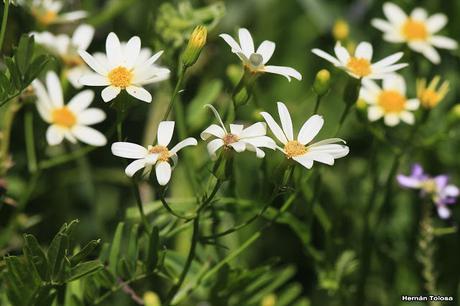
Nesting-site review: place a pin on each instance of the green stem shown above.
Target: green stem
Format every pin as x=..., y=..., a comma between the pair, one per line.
x=30, y=141
x=4, y=22
x=318, y=102
x=170, y=210
x=140, y=206
x=344, y=116
x=177, y=88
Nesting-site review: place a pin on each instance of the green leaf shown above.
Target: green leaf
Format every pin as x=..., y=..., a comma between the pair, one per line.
x=83, y=269
x=133, y=251
x=36, y=256
x=56, y=254
x=116, y=246
x=24, y=52
x=15, y=75
x=85, y=252
x=35, y=68
x=152, y=251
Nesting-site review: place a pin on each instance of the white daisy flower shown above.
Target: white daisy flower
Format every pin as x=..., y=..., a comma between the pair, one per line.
x=48, y=12
x=239, y=138
x=417, y=30
x=360, y=64
x=256, y=61
x=390, y=101
x=70, y=121
x=124, y=67
x=67, y=49
x=300, y=149
x=159, y=155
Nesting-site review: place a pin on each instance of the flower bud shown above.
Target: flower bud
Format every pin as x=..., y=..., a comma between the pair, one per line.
x=151, y=299
x=195, y=45
x=268, y=300
x=341, y=30
x=361, y=105
x=322, y=82
x=224, y=165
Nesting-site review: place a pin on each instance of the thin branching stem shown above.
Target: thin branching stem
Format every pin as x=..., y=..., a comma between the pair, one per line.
x=4, y=22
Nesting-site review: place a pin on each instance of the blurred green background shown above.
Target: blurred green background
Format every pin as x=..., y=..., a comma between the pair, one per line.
x=338, y=245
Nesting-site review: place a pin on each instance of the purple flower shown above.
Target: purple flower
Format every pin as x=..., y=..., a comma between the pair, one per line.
x=438, y=188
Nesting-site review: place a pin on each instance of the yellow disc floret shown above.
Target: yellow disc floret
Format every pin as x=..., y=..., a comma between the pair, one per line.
x=391, y=101
x=359, y=66
x=63, y=117
x=414, y=30
x=294, y=148
x=162, y=151
x=120, y=77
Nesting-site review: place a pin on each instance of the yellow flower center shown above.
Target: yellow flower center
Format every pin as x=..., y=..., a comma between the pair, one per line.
x=63, y=117
x=294, y=148
x=359, y=66
x=45, y=18
x=229, y=139
x=162, y=151
x=429, y=186
x=120, y=77
x=414, y=30
x=392, y=101
x=429, y=98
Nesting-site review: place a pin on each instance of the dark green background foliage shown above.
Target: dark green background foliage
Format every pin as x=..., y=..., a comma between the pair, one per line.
x=348, y=238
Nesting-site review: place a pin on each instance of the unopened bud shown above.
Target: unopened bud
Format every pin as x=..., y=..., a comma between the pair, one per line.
x=195, y=45
x=268, y=300
x=341, y=30
x=151, y=299
x=361, y=105
x=322, y=82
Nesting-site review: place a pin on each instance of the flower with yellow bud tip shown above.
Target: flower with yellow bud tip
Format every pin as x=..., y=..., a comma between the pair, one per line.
x=340, y=30
x=430, y=96
x=195, y=45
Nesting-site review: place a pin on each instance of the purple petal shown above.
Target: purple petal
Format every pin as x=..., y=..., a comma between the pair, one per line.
x=443, y=212
x=441, y=181
x=408, y=181
x=417, y=170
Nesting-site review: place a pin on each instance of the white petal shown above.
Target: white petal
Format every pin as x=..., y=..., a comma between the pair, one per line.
x=184, y=143
x=274, y=127
x=231, y=42
x=165, y=132
x=266, y=49
x=443, y=42
x=387, y=61
x=395, y=82
x=91, y=116
x=83, y=36
x=238, y=146
x=139, y=93
x=451, y=191
x=129, y=150
x=109, y=93
x=54, y=89
x=342, y=54
x=132, y=50
x=54, y=135
x=419, y=14
x=94, y=79
x=286, y=121
x=374, y=113
x=443, y=211
x=260, y=141
x=304, y=161
x=163, y=171
x=310, y=129
x=394, y=13
x=327, y=57
x=93, y=62
x=236, y=129
x=44, y=104
x=321, y=157
x=81, y=101
x=134, y=166
x=407, y=117
x=364, y=50
x=382, y=25
x=431, y=54
x=436, y=22
x=89, y=135
x=335, y=150
x=72, y=16
x=412, y=104
x=287, y=72
x=213, y=130
x=113, y=50
x=254, y=130
x=391, y=119
x=213, y=146
x=246, y=42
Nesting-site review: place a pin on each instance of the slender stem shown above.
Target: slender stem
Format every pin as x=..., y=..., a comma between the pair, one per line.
x=318, y=102
x=344, y=116
x=170, y=210
x=177, y=88
x=30, y=141
x=4, y=22
x=140, y=206
x=7, y=119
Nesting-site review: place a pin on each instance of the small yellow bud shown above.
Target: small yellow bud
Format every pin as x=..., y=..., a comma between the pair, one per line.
x=151, y=299
x=341, y=30
x=361, y=104
x=456, y=110
x=195, y=45
x=322, y=82
x=268, y=300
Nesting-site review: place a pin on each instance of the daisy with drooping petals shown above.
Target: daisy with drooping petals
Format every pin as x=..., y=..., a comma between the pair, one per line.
x=159, y=155
x=47, y=12
x=300, y=149
x=124, y=67
x=254, y=60
x=360, y=64
x=67, y=49
x=417, y=30
x=239, y=138
x=70, y=121
x=431, y=95
x=390, y=101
